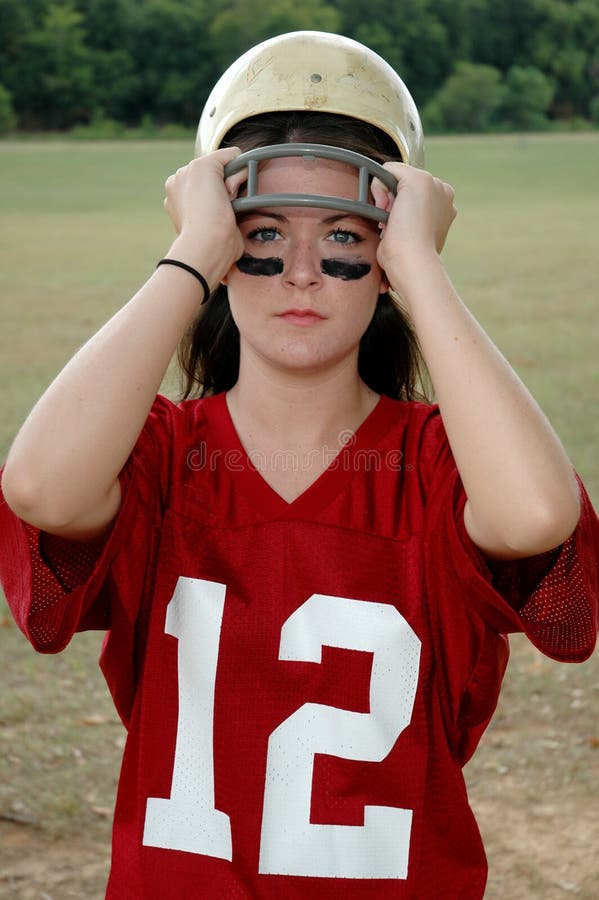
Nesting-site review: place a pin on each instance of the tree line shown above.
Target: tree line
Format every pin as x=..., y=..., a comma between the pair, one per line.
x=472, y=65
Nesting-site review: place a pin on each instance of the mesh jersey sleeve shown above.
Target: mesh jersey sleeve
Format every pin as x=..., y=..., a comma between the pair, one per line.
x=474, y=605
x=56, y=587
x=552, y=597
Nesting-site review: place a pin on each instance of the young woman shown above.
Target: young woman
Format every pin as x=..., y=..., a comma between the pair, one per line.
x=305, y=573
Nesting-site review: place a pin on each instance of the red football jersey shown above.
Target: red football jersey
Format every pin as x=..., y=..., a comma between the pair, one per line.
x=301, y=682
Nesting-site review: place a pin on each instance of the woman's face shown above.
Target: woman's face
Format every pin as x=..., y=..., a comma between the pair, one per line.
x=305, y=290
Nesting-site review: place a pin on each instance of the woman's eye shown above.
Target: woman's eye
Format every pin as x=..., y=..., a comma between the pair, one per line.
x=264, y=234
x=340, y=236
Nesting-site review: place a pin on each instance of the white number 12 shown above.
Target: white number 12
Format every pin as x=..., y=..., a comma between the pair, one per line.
x=290, y=844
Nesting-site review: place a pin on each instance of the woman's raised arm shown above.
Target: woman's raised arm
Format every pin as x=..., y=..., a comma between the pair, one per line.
x=522, y=493
x=61, y=472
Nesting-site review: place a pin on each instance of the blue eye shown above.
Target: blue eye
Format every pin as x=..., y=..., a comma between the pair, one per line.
x=341, y=236
x=263, y=235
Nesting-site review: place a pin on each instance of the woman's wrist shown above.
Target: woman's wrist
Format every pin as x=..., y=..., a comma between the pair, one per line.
x=203, y=259
x=416, y=274
x=169, y=261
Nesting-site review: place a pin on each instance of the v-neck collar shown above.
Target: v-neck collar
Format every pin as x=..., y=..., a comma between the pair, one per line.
x=328, y=484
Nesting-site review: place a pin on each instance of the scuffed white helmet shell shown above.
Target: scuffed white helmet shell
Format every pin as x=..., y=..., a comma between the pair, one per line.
x=316, y=71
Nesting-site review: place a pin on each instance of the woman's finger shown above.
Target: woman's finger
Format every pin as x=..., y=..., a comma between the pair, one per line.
x=380, y=194
x=234, y=182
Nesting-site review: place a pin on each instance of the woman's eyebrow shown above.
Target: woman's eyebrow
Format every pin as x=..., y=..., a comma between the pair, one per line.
x=338, y=217
x=268, y=214
x=260, y=214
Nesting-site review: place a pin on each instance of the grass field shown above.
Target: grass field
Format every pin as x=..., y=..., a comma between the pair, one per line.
x=80, y=227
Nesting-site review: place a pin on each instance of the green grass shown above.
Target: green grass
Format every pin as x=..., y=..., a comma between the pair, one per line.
x=524, y=253
x=81, y=226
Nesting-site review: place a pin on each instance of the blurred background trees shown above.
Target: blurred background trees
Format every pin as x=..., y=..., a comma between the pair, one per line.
x=472, y=65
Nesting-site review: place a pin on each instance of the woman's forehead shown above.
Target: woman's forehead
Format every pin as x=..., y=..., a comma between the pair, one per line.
x=311, y=215
x=296, y=175
x=339, y=176
x=293, y=174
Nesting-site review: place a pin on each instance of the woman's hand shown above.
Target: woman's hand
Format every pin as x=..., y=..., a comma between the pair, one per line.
x=198, y=201
x=420, y=216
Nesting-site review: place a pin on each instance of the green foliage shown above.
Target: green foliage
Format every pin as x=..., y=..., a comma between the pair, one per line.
x=239, y=25
x=57, y=87
x=8, y=120
x=528, y=96
x=565, y=48
x=410, y=35
x=72, y=63
x=170, y=48
x=99, y=128
x=432, y=118
x=102, y=128
x=594, y=109
x=469, y=99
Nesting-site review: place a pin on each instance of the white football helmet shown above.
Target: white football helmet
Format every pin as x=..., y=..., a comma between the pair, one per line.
x=316, y=72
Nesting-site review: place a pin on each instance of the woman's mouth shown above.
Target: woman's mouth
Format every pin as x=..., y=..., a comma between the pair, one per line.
x=303, y=317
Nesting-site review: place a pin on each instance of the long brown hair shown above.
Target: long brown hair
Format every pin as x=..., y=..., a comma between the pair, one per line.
x=389, y=358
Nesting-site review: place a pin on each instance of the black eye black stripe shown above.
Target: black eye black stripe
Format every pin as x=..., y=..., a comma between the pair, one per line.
x=344, y=269
x=251, y=265
x=273, y=265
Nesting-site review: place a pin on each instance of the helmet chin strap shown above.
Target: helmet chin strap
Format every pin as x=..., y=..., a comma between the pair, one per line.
x=361, y=206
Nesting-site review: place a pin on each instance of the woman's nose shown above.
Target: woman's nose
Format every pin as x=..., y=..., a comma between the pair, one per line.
x=302, y=266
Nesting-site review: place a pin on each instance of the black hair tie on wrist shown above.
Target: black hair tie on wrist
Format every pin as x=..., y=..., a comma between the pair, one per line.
x=191, y=270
